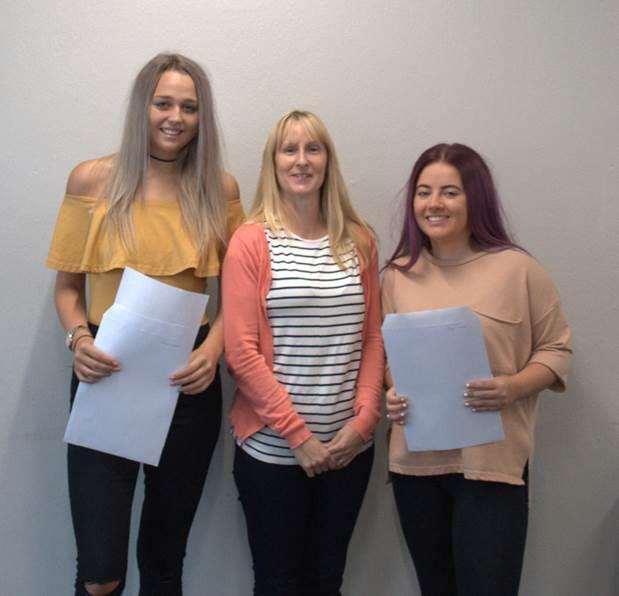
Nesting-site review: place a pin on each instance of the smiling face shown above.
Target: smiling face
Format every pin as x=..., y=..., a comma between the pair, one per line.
x=173, y=118
x=440, y=209
x=300, y=163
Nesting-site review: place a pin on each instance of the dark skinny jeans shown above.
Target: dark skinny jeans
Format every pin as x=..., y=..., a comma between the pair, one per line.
x=101, y=488
x=299, y=528
x=466, y=537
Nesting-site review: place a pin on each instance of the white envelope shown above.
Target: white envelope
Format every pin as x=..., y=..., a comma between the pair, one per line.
x=432, y=355
x=150, y=330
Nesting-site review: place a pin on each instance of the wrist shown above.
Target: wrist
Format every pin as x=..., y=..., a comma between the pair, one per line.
x=212, y=352
x=74, y=333
x=515, y=388
x=78, y=339
x=362, y=427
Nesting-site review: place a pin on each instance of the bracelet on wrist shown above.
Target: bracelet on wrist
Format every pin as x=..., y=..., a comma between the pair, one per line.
x=73, y=333
x=78, y=339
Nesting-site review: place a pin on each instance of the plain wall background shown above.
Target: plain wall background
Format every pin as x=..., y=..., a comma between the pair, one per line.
x=532, y=85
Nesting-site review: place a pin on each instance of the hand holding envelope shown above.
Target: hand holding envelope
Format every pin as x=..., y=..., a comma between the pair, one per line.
x=432, y=355
x=150, y=329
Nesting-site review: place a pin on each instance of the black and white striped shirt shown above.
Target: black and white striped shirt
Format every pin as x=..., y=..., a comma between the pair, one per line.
x=316, y=312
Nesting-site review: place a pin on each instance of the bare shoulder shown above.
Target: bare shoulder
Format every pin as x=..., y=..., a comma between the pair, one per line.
x=230, y=187
x=89, y=178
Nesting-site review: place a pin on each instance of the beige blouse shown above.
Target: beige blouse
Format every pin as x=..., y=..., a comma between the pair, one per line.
x=522, y=322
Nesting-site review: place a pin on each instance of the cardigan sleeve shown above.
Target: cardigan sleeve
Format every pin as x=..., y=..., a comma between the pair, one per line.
x=370, y=379
x=242, y=307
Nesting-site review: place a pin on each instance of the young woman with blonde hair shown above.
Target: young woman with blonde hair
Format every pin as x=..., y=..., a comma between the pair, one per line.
x=162, y=205
x=303, y=342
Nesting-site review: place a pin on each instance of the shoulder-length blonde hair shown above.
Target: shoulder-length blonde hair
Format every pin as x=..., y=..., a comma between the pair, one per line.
x=199, y=163
x=343, y=223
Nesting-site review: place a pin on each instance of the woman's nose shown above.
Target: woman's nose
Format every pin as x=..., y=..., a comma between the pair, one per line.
x=436, y=200
x=175, y=114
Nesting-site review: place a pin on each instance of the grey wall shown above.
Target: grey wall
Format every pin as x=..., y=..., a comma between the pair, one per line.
x=531, y=84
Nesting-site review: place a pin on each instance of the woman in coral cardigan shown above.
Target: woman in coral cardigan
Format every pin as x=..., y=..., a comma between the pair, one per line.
x=302, y=337
x=464, y=511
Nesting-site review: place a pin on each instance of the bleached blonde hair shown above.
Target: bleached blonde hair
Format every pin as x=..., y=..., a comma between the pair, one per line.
x=343, y=223
x=201, y=197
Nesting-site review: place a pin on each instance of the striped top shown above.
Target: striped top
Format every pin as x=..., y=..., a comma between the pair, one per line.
x=316, y=312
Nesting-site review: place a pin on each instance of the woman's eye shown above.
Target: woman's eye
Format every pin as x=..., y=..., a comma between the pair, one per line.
x=162, y=105
x=422, y=193
x=191, y=109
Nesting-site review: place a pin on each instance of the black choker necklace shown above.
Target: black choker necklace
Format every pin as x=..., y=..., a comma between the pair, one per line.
x=163, y=160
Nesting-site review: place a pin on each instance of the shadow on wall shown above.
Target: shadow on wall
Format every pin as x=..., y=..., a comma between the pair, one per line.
x=615, y=549
x=37, y=523
x=611, y=521
x=571, y=452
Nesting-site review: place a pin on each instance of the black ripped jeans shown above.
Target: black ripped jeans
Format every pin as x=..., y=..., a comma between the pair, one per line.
x=101, y=488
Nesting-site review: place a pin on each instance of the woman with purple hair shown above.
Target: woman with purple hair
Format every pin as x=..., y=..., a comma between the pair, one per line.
x=464, y=511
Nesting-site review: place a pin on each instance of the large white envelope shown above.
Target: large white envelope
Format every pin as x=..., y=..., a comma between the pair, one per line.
x=432, y=355
x=150, y=329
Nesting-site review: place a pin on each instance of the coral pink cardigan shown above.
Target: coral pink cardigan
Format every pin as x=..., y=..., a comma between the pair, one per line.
x=260, y=400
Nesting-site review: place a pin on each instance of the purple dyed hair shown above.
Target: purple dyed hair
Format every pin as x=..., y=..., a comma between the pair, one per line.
x=485, y=213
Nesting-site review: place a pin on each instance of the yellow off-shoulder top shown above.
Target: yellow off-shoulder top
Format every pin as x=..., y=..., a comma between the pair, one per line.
x=163, y=249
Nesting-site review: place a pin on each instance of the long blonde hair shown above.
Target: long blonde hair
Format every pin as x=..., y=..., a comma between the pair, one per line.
x=201, y=196
x=343, y=223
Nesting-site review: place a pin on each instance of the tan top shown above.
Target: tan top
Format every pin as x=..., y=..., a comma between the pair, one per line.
x=522, y=322
x=163, y=250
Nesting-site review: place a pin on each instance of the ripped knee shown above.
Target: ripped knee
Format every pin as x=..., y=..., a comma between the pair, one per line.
x=106, y=589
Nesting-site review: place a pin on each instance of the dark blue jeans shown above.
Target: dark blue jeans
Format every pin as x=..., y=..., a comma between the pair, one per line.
x=101, y=488
x=466, y=537
x=299, y=527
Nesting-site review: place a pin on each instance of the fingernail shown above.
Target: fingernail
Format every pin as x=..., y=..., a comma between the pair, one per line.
x=465, y=394
x=467, y=385
x=473, y=410
x=467, y=403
